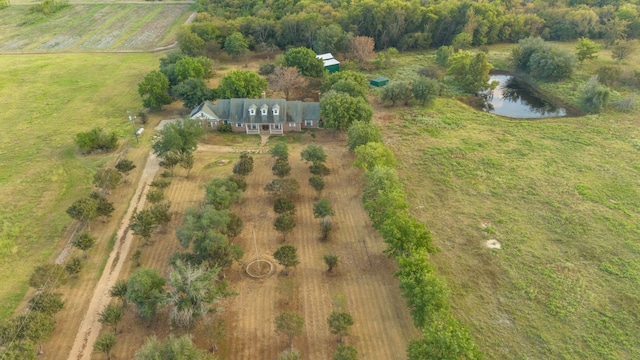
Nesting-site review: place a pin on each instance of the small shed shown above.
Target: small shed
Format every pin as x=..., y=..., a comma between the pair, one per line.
x=379, y=81
x=330, y=64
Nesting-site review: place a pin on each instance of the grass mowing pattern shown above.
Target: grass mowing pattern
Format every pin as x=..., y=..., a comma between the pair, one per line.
x=40, y=172
x=562, y=197
x=91, y=27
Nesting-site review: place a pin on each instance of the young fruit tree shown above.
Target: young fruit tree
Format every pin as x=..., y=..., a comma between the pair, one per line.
x=332, y=261
x=290, y=325
x=340, y=323
x=287, y=256
x=284, y=223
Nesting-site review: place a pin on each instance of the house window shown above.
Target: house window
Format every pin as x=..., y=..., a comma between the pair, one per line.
x=308, y=123
x=276, y=110
x=254, y=127
x=238, y=124
x=263, y=111
x=277, y=126
x=226, y=122
x=292, y=125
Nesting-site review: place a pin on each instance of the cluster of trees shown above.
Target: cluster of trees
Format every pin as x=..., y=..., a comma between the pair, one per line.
x=181, y=77
x=343, y=102
x=329, y=26
x=409, y=243
x=284, y=188
x=20, y=335
x=190, y=291
x=145, y=222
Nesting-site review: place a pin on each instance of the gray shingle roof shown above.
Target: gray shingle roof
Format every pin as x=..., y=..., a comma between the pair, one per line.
x=237, y=110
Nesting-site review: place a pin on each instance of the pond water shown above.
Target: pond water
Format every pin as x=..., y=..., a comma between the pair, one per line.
x=515, y=98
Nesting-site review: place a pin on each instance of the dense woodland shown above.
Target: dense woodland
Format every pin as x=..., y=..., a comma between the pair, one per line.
x=326, y=25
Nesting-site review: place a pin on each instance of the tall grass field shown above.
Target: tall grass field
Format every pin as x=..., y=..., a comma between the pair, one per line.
x=561, y=196
x=45, y=101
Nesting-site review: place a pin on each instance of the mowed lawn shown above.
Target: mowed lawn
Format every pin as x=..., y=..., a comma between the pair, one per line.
x=45, y=101
x=562, y=196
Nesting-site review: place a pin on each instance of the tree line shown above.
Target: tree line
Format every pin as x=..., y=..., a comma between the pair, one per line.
x=327, y=26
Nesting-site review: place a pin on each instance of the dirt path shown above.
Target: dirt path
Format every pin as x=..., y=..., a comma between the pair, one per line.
x=90, y=326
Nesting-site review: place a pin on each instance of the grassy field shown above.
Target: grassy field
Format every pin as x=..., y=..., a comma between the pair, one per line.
x=40, y=171
x=560, y=195
x=85, y=27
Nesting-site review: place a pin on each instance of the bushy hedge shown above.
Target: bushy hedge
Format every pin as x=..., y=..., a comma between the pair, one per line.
x=96, y=140
x=409, y=243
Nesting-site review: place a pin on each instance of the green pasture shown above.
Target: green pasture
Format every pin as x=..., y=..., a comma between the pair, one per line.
x=562, y=196
x=45, y=101
x=87, y=27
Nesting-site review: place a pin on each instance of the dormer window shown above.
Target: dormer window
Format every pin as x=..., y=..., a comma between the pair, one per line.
x=252, y=109
x=276, y=109
x=264, y=109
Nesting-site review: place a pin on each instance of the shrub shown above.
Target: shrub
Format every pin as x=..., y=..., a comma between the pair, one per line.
x=534, y=56
x=96, y=140
x=594, y=97
x=433, y=72
x=608, y=75
x=48, y=7
x=225, y=128
x=267, y=69
x=443, y=54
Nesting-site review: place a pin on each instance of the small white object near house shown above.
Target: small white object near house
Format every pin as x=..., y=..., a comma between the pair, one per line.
x=139, y=132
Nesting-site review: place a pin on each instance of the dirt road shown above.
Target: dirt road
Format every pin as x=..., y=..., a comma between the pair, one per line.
x=90, y=326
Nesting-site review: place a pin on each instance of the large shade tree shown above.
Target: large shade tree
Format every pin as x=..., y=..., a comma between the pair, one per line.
x=340, y=110
x=242, y=84
x=154, y=90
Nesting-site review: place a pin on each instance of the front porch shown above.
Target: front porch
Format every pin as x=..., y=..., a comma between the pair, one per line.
x=257, y=129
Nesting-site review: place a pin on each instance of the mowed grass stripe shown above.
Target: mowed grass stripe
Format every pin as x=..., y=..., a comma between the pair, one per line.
x=65, y=26
x=114, y=16
x=41, y=174
x=137, y=25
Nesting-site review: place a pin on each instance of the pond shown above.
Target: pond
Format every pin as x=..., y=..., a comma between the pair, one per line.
x=515, y=98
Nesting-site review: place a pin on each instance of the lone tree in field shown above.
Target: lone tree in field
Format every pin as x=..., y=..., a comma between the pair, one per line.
x=244, y=166
x=142, y=224
x=284, y=206
x=290, y=325
x=125, y=166
x=287, y=256
x=111, y=315
x=84, y=241
x=322, y=209
x=313, y=154
x=332, y=261
x=284, y=223
x=339, y=324
x=145, y=288
x=317, y=182
x=281, y=168
x=105, y=344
